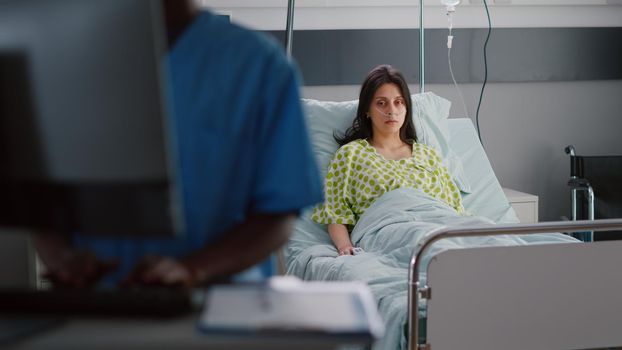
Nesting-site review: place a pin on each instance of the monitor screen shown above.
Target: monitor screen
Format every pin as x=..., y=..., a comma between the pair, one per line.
x=84, y=126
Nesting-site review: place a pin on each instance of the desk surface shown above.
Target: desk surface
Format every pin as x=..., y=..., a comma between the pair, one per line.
x=115, y=333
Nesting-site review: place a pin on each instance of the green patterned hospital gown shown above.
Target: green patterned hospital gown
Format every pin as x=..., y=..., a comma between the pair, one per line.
x=358, y=175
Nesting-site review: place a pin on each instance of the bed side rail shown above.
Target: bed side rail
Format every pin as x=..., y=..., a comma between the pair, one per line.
x=415, y=291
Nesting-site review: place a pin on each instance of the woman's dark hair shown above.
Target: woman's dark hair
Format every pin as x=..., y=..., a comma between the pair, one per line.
x=361, y=126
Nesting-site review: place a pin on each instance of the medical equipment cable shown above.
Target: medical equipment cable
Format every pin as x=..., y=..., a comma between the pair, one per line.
x=451, y=70
x=421, y=49
x=481, y=94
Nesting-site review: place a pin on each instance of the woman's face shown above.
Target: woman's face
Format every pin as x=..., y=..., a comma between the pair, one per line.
x=387, y=110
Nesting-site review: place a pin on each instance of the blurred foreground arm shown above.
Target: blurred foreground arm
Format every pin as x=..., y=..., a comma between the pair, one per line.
x=67, y=266
x=242, y=247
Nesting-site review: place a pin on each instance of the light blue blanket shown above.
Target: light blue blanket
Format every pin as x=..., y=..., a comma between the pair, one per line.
x=388, y=233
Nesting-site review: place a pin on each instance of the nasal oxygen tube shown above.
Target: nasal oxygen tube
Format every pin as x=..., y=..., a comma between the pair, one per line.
x=390, y=115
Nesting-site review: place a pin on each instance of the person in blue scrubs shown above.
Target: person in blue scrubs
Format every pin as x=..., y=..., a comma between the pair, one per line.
x=244, y=157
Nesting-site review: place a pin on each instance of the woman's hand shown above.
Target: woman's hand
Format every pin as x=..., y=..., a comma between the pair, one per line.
x=347, y=250
x=341, y=239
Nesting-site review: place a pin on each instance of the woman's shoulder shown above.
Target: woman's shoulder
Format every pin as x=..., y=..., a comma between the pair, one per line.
x=350, y=152
x=423, y=149
x=352, y=147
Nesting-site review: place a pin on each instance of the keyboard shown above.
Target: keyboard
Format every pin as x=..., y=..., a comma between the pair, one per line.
x=144, y=302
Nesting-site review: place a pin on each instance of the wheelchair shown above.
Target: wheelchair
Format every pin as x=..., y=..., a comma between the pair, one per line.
x=595, y=191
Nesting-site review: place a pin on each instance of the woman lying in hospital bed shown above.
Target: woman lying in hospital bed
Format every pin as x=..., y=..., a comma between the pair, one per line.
x=378, y=154
x=394, y=179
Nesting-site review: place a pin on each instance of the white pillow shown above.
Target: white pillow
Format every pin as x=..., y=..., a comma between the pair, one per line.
x=430, y=114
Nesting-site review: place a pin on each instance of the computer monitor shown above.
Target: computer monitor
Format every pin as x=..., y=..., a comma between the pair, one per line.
x=85, y=141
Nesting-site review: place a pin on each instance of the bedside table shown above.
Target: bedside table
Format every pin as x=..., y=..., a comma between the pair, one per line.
x=524, y=204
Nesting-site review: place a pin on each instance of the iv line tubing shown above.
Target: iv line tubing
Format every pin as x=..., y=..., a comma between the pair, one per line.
x=421, y=48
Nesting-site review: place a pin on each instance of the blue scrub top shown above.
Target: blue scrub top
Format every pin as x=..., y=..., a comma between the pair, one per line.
x=241, y=138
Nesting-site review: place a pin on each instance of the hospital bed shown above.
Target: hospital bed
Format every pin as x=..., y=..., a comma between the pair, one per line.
x=536, y=291
x=460, y=283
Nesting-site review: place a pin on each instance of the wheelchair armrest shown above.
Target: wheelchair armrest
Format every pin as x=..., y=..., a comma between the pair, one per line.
x=578, y=182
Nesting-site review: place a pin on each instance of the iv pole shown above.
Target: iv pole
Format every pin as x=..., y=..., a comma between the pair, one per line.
x=289, y=35
x=289, y=38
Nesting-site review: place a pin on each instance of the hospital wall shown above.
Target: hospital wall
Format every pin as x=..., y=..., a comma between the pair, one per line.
x=547, y=88
x=525, y=127
x=554, y=72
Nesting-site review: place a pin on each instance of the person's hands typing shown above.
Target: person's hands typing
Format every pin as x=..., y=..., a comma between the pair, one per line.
x=160, y=271
x=79, y=269
x=68, y=267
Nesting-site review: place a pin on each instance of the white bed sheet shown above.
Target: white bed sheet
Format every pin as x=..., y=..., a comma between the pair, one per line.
x=311, y=255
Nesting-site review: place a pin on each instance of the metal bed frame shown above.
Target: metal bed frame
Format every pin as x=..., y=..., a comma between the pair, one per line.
x=417, y=291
